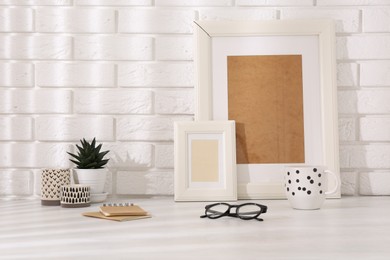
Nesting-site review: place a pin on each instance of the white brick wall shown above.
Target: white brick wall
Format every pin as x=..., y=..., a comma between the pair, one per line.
x=156, y=21
x=363, y=47
x=113, y=48
x=114, y=2
x=376, y=20
x=347, y=74
x=237, y=14
x=129, y=182
x=16, y=128
x=16, y=20
x=35, y=101
x=174, y=48
x=122, y=71
x=37, y=47
x=74, y=20
x=347, y=20
x=375, y=73
x=16, y=74
x=174, y=102
x=164, y=156
x=274, y=2
x=199, y=3
x=144, y=128
x=59, y=128
x=34, y=155
x=61, y=74
x=15, y=183
x=156, y=74
x=113, y=101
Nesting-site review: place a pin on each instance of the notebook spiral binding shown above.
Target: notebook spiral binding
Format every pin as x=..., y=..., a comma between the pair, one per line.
x=127, y=204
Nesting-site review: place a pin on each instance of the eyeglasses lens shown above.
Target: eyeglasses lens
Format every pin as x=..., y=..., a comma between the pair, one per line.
x=217, y=210
x=248, y=211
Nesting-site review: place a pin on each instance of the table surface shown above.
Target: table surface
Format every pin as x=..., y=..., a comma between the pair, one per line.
x=347, y=228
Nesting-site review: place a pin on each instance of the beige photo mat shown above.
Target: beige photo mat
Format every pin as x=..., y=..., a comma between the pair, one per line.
x=204, y=161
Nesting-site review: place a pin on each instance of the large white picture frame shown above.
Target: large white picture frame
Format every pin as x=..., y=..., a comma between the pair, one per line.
x=314, y=40
x=205, y=161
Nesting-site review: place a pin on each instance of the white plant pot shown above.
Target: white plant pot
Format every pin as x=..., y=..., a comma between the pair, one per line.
x=95, y=178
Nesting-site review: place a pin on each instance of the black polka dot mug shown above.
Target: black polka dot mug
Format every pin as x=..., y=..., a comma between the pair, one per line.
x=307, y=186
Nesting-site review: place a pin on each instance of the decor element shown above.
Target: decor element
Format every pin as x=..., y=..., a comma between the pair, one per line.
x=90, y=162
x=306, y=186
x=246, y=211
x=205, y=161
x=276, y=79
x=89, y=155
x=51, y=182
x=75, y=196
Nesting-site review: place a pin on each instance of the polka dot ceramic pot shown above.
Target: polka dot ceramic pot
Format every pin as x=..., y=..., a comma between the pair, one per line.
x=306, y=186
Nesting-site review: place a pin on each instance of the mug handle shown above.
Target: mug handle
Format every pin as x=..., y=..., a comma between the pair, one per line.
x=337, y=183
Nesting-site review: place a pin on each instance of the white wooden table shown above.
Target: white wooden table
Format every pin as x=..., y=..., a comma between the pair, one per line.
x=350, y=228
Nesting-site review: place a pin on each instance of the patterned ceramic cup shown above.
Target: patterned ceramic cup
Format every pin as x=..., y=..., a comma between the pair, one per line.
x=75, y=196
x=51, y=182
x=306, y=186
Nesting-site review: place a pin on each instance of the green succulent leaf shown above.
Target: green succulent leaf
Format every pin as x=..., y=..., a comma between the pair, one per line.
x=89, y=155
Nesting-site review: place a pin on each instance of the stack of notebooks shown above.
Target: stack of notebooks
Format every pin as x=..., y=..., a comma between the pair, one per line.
x=119, y=212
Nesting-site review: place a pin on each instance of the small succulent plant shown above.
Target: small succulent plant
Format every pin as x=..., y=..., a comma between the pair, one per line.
x=89, y=155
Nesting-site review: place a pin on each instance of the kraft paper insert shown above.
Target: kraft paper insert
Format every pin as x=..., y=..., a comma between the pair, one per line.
x=265, y=98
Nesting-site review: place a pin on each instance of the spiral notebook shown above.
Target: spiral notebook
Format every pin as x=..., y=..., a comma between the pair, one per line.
x=115, y=218
x=119, y=212
x=127, y=209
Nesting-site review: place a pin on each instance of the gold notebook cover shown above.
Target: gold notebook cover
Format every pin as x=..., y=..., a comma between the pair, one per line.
x=131, y=210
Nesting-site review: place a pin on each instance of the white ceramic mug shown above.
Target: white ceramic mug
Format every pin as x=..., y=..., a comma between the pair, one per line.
x=306, y=186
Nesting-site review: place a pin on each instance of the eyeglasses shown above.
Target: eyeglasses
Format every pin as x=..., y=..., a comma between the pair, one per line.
x=244, y=211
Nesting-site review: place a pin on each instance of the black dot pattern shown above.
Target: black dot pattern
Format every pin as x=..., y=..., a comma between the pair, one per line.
x=75, y=194
x=308, y=185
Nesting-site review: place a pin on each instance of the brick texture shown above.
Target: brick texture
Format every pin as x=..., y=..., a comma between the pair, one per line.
x=16, y=128
x=123, y=71
x=112, y=48
x=37, y=47
x=74, y=20
x=347, y=20
x=240, y=14
x=15, y=75
x=113, y=101
x=57, y=128
x=376, y=19
x=59, y=74
x=16, y=19
x=35, y=101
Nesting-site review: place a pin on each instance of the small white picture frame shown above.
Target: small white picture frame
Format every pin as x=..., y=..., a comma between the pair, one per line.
x=205, y=161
